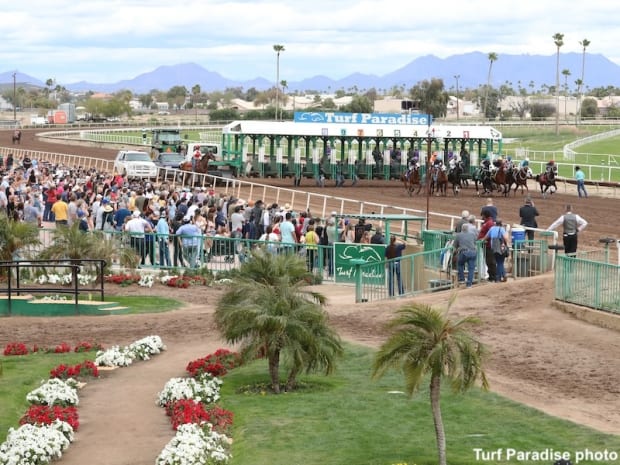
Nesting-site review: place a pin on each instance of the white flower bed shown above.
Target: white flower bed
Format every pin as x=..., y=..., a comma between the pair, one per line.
x=55, y=391
x=114, y=357
x=147, y=346
x=66, y=279
x=206, y=390
x=195, y=445
x=35, y=445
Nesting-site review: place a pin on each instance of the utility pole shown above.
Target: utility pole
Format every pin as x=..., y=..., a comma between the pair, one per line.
x=14, y=96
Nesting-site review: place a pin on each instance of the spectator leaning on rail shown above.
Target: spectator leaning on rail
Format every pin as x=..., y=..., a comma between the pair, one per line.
x=528, y=214
x=573, y=224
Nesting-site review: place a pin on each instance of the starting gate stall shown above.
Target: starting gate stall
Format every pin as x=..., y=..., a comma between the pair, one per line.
x=366, y=145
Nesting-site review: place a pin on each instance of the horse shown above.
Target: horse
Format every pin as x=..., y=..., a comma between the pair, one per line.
x=411, y=179
x=482, y=176
x=518, y=177
x=202, y=166
x=439, y=180
x=546, y=181
x=455, y=177
x=17, y=136
x=500, y=178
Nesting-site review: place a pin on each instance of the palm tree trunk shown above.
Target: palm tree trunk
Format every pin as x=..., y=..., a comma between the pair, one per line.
x=440, y=434
x=291, y=382
x=274, y=371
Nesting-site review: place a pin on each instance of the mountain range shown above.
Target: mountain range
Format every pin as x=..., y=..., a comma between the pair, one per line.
x=472, y=69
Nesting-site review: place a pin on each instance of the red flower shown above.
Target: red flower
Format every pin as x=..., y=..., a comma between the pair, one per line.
x=15, y=348
x=62, y=348
x=81, y=370
x=189, y=411
x=45, y=415
x=216, y=364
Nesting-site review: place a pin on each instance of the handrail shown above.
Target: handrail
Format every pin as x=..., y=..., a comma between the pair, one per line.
x=73, y=264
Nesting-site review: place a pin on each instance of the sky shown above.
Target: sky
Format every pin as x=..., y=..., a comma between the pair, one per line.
x=108, y=41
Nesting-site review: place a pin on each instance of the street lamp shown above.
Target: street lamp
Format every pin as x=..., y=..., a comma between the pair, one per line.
x=457, y=76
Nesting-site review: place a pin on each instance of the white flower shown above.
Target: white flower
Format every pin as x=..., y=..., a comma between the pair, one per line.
x=166, y=278
x=54, y=391
x=205, y=390
x=147, y=346
x=34, y=445
x=114, y=357
x=195, y=445
x=146, y=281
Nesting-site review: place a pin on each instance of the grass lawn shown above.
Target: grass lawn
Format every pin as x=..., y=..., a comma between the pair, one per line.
x=346, y=418
x=145, y=304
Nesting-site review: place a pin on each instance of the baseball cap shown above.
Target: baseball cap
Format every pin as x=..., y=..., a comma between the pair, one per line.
x=136, y=213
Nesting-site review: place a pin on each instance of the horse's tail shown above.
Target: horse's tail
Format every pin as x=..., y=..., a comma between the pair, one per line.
x=538, y=178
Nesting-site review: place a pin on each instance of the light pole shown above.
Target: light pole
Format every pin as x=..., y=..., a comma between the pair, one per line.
x=457, y=76
x=14, y=96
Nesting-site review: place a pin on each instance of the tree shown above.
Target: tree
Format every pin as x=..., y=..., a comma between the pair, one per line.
x=584, y=43
x=278, y=49
x=566, y=74
x=15, y=236
x=589, y=108
x=558, y=40
x=358, y=104
x=269, y=312
x=492, y=58
x=431, y=95
x=425, y=341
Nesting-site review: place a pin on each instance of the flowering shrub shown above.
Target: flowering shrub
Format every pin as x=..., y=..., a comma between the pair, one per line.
x=45, y=415
x=15, y=348
x=205, y=389
x=85, y=346
x=122, y=279
x=66, y=279
x=147, y=346
x=55, y=392
x=216, y=364
x=194, y=445
x=185, y=281
x=62, y=348
x=114, y=357
x=81, y=370
x=146, y=281
x=36, y=445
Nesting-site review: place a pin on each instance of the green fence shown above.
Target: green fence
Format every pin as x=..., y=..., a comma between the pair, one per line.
x=590, y=283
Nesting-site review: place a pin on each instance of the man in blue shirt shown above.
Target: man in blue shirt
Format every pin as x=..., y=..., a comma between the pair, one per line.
x=580, y=177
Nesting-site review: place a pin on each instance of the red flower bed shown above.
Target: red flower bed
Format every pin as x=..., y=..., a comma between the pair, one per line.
x=45, y=415
x=122, y=279
x=216, y=364
x=62, y=348
x=81, y=370
x=189, y=411
x=87, y=347
x=16, y=348
x=186, y=281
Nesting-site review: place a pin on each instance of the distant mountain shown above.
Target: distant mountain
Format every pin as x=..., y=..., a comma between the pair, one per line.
x=472, y=69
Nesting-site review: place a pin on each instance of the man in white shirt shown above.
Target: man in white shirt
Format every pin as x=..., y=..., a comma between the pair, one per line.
x=137, y=227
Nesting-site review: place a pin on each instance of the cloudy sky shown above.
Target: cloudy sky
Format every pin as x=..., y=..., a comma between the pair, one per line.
x=106, y=41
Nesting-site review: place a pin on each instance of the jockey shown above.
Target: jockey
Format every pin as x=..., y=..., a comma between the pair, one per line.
x=509, y=165
x=413, y=165
x=451, y=161
x=551, y=169
x=196, y=157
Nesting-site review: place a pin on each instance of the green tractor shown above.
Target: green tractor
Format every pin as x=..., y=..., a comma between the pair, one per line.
x=166, y=140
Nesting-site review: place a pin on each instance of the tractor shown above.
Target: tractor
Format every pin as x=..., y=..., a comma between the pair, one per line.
x=166, y=140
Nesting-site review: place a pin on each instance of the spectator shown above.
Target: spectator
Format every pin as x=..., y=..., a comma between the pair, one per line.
x=573, y=224
x=191, y=239
x=378, y=237
x=489, y=258
x=287, y=232
x=528, y=214
x=60, y=210
x=580, y=177
x=489, y=207
x=137, y=227
x=393, y=252
x=82, y=221
x=465, y=247
x=464, y=219
x=498, y=233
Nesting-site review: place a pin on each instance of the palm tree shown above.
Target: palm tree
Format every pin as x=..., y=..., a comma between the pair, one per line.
x=492, y=57
x=268, y=311
x=584, y=43
x=278, y=48
x=425, y=341
x=566, y=74
x=558, y=40
x=15, y=237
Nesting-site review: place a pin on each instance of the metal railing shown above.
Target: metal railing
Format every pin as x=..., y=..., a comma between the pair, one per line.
x=14, y=283
x=588, y=283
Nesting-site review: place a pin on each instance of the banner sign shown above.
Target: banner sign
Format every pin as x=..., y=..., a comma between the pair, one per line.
x=362, y=118
x=372, y=253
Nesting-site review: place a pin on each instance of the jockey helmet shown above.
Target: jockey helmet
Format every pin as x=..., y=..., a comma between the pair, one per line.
x=509, y=158
x=551, y=162
x=197, y=147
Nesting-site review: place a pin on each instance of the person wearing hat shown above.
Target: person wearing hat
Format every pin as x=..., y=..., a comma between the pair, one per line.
x=528, y=214
x=191, y=241
x=580, y=177
x=196, y=157
x=162, y=230
x=82, y=221
x=106, y=212
x=464, y=219
x=137, y=227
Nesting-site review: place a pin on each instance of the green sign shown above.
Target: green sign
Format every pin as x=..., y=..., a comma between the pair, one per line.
x=345, y=256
